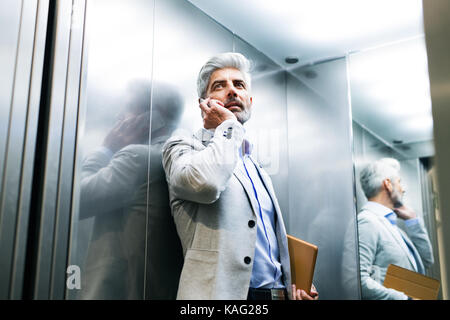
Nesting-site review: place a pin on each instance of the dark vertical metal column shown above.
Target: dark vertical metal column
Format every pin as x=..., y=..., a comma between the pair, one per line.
x=428, y=213
x=52, y=185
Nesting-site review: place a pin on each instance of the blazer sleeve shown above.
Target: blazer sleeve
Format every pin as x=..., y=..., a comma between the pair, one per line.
x=111, y=182
x=368, y=240
x=200, y=175
x=419, y=237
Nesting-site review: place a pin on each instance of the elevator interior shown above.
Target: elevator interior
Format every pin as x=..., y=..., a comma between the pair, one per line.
x=75, y=70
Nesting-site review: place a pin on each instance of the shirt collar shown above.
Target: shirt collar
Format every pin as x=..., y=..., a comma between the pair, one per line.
x=377, y=208
x=381, y=211
x=392, y=217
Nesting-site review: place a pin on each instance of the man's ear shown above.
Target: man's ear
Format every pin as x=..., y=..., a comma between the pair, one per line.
x=387, y=184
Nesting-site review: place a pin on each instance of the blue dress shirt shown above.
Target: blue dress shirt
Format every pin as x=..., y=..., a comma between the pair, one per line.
x=266, y=271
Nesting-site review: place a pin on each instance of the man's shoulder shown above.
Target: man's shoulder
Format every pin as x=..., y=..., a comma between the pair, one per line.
x=367, y=216
x=181, y=138
x=137, y=149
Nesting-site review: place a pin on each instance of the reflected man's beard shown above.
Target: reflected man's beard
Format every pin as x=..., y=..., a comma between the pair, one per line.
x=397, y=198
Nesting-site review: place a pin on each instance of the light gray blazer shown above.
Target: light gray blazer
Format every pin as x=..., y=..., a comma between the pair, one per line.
x=380, y=245
x=211, y=207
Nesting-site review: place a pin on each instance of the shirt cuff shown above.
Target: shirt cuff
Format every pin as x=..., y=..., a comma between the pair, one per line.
x=231, y=129
x=411, y=222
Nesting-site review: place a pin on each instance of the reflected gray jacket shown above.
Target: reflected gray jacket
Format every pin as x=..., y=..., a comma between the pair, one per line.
x=132, y=228
x=212, y=209
x=380, y=245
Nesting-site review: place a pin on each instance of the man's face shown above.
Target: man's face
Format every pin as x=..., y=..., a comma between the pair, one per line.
x=397, y=192
x=228, y=86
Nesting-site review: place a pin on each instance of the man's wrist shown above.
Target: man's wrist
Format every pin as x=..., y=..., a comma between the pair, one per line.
x=411, y=222
x=230, y=129
x=233, y=123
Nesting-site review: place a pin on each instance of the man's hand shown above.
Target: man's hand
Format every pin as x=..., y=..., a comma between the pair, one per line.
x=299, y=294
x=214, y=113
x=405, y=213
x=127, y=131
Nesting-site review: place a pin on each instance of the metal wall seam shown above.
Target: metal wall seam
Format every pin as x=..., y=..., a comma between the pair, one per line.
x=354, y=177
x=69, y=133
x=81, y=116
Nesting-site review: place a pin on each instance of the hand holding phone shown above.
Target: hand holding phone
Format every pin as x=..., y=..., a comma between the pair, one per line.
x=405, y=213
x=214, y=113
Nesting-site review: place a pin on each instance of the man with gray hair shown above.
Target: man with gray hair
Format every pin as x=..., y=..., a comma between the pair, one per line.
x=223, y=203
x=381, y=241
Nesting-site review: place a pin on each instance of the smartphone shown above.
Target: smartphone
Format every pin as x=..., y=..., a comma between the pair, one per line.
x=201, y=100
x=398, y=204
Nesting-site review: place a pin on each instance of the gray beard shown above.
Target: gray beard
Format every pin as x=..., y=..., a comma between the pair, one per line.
x=243, y=116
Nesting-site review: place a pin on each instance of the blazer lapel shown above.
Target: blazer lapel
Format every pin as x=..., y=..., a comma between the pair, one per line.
x=246, y=184
x=266, y=181
x=417, y=258
x=398, y=238
x=280, y=228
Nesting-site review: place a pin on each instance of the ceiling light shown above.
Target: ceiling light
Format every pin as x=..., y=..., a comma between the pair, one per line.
x=291, y=60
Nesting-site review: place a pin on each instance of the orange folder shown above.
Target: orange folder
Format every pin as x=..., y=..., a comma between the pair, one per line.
x=303, y=261
x=411, y=283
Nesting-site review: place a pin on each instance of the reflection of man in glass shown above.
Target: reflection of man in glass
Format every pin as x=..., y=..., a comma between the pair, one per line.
x=224, y=206
x=381, y=241
x=124, y=189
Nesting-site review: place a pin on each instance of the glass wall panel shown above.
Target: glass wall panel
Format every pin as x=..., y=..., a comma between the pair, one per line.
x=110, y=184
x=367, y=147
x=391, y=110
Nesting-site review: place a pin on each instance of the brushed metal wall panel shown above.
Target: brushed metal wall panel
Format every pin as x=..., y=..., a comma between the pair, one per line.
x=115, y=81
x=23, y=27
x=322, y=210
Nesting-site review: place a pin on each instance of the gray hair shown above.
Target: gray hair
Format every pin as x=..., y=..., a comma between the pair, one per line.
x=220, y=61
x=373, y=174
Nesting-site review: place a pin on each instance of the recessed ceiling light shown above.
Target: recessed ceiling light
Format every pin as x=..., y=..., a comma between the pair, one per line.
x=291, y=60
